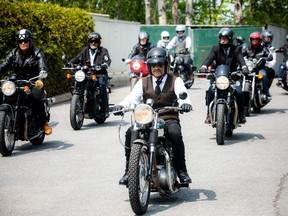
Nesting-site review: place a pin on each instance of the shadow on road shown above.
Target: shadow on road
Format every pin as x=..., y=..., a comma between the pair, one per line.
x=266, y=111
x=93, y=125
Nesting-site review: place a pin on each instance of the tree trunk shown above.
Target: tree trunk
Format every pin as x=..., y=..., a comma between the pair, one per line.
x=162, y=12
x=189, y=13
x=238, y=13
x=175, y=12
x=148, y=12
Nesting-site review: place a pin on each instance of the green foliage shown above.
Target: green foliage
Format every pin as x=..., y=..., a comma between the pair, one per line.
x=56, y=30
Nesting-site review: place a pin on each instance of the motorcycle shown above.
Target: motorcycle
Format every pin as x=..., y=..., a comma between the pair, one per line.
x=178, y=69
x=223, y=110
x=138, y=69
x=17, y=120
x=151, y=158
x=284, y=77
x=86, y=95
x=252, y=86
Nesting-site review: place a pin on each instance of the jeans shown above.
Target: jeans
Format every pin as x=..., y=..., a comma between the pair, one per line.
x=102, y=80
x=281, y=70
x=265, y=81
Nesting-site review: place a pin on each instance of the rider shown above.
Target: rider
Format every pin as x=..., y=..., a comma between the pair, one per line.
x=164, y=39
x=170, y=87
x=282, y=66
x=98, y=56
x=26, y=61
x=267, y=40
x=225, y=53
x=183, y=45
x=257, y=50
x=241, y=43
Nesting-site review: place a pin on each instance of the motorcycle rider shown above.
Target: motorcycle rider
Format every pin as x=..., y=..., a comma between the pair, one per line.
x=164, y=39
x=27, y=61
x=241, y=43
x=282, y=66
x=183, y=45
x=98, y=56
x=257, y=50
x=164, y=89
x=225, y=53
x=267, y=41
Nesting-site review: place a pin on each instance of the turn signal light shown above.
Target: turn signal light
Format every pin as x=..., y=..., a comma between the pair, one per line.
x=26, y=88
x=260, y=75
x=94, y=77
x=68, y=76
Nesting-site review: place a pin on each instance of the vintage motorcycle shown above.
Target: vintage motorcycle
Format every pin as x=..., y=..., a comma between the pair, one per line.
x=138, y=69
x=86, y=93
x=284, y=77
x=223, y=110
x=177, y=68
x=17, y=120
x=151, y=158
x=252, y=86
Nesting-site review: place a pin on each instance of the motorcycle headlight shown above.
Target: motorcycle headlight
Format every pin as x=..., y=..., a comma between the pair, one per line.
x=222, y=82
x=286, y=64
x=8, y=88
x=136, y=65
x=143, y=114
x=79, y=76
x=178, y=60
x=250, y=65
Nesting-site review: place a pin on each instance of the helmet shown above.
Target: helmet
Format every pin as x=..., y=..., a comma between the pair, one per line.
x=94, y=36
x=24, y=34
x=165, y=34
x=226, y=32
x=286, y=37
x=255, y=36
x=156, y=55
x=267, y=36
x=180, y=28
x=240, y=40
x=143, y=35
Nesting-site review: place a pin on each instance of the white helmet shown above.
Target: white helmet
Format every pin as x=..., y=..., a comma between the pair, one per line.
x=166, y=35
x=180, y=28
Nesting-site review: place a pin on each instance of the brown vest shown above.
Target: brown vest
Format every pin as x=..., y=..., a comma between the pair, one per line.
x=166, y=98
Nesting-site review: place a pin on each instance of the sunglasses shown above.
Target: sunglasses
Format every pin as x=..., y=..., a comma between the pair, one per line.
x=21, y=41
x=165, y=37
x=94, y=41
x=159, y=64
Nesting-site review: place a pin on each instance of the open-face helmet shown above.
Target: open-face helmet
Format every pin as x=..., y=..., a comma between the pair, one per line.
x=95, y=37
x=157, y=55
x=267, y=36
x=143, y=35
x=226, y=32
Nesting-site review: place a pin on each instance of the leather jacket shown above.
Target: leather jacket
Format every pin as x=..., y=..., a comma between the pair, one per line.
x=141, y=50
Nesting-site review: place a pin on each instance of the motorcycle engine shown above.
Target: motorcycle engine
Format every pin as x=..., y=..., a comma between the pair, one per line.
x=163, y=177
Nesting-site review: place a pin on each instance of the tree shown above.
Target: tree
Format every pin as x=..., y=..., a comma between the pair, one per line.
x=175, y=12
x=162, y=12
x=189, y=14
x=148, y=12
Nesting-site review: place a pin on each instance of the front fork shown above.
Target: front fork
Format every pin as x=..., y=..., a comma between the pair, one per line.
x=153, y=140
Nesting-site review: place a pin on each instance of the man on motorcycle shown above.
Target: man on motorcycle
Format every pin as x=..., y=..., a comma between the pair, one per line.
x=26, y=61
x=164, y=39
x=183, y=45
x=96, y=55
x=164, y=90
x=225, y=53
x=282, y=66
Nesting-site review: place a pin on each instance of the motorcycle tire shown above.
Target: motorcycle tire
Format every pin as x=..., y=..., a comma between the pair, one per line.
x=190, y=84
x=38, y=140
x=138, y=185
x=220, y=126
x=76, y=112
x=99, y=120
x=7, y=139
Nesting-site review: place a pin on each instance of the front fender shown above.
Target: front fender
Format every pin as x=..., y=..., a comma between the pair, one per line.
x=141, y=141
x=6, y=107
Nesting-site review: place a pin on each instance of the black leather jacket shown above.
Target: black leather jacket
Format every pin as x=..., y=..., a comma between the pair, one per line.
x=25, y=65
x=140, y=50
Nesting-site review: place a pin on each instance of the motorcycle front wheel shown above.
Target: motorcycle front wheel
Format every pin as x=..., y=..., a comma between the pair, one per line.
x=138, y=185
x=220, y=126
x=7, y=139
x=76, y=112
x=190, y=82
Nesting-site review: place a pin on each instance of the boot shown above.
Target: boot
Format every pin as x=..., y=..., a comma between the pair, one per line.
x=242, y=118
x=208, y=120
x=184, y=177
x=279, y=83
x=47, y=129
x=124, y=179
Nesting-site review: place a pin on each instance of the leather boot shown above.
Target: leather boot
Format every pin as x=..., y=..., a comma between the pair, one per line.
x=124, y=178
x=242, y=118
x=184, y=177
x=208, y=120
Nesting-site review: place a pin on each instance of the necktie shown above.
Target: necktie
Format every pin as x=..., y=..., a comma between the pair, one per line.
x=157, y=88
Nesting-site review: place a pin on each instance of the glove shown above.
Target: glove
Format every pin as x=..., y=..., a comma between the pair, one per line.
x=104, y=66
x=43, y=74
x=39, y=84
x=118, y=108
x=203, y=69
x=245, y=70
x=186, y=107
x=127, y=61
x=68, y=65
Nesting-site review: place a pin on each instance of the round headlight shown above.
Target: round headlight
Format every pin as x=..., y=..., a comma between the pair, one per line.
x=79, y=76
x=143, y=114
x=222, y=82
x=8, y=88
x=136, y=65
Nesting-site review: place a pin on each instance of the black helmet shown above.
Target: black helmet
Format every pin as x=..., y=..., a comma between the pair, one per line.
x=228, y=32
x=240, y=40
x=267, y=36
x=96, y=37
x=143, y=35
x=24, y=34
x=157, y=55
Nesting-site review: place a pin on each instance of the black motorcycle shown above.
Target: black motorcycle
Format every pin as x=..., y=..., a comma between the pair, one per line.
x=178, y=69
x=151, y=158
x=284, y=83
x=86, y=102
x=223, y=110
x=17, y=120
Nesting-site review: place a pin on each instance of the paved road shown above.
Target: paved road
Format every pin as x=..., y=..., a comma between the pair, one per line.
x=76, y=173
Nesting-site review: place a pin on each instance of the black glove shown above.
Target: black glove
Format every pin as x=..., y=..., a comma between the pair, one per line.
x=68, y=65
x=104, y=66
x=245, y=70
x=118, y=108
x=186, y=107
x=203, y=69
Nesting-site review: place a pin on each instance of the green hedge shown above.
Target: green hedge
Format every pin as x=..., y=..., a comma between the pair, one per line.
x=56, y=30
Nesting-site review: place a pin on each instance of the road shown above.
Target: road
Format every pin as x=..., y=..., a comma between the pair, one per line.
x=76, y=173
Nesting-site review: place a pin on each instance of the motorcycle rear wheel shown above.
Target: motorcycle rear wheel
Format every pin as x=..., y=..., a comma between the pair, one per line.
x=138, y=185
x=220, y=126
x=76, y=112
x=7, y=139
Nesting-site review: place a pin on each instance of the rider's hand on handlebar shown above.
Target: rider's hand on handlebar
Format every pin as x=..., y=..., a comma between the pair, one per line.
x=68, y=65
x=203, y=69
x=118, y=108
x=39, y=84
x=127, y=61
x=186, y=107
x=245, y=70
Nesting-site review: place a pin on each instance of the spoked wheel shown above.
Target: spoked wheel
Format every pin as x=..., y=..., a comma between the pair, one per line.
x=38, y=140
x=220, y=126
x=7, y=139
x=76, y=112
x=138, y=185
